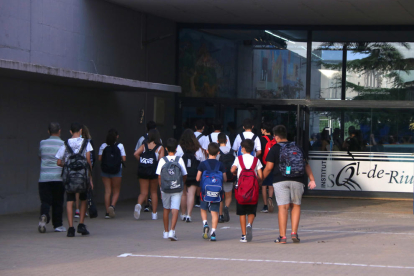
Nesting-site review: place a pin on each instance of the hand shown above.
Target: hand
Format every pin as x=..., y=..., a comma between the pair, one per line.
x=91, y=184
x=312, y=185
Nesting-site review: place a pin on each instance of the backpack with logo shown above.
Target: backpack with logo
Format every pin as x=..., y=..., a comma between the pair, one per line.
x=212, y=183
x=228, y=160
x=75, y=171
x=111, y=159
x=239, y=153
x=247, y=192
x=148, y=162
x=268, y=146
x=171, y=176
x=291, y=160
x=191, y=164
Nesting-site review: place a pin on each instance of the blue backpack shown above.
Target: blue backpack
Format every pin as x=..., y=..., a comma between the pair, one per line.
x=291, y=160
x=212, y=184
x=239, y=153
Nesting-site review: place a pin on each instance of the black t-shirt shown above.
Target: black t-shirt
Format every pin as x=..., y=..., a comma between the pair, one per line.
x=273, y=156
x=212, y=162
x=263, y=142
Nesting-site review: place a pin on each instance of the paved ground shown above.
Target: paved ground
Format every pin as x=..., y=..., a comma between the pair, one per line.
x=339, y=237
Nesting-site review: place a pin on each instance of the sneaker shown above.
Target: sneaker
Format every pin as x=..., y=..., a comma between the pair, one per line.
x=206, y=230
x=154, y=216
x=137, y=211
x=107, y=216
x=77, y=214
x=226, y=215
x=111, y=211
x=188, y=219
x=197, y=202
x=146, y=208
x=213, y=236
x=243, y=238
x=221, y=219
x=60, y=229
x=164, y=235
x=270, y=204
x=183, y=217
x=197, y=205
x=42, y=224
x=71, y=232
x=264, y=209
x=172, y=236
x=82, y=229
x=249, y=233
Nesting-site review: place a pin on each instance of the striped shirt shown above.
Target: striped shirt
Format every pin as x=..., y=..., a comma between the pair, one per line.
x=49, y=170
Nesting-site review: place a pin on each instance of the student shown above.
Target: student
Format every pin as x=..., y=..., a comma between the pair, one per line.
x=211, y=164
x=148, y=155
x=199, y=129
x=217, y=126
x=267, y=142
x=192, y=155
x=171, y=170
x=248, y=134
x=226, y=156
x=51, y=189
x=288, y=180
x=247, y=208
x=112, y=156
x=81, y=146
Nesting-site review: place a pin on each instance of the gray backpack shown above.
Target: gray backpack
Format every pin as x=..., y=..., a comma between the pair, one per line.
x=171, y=176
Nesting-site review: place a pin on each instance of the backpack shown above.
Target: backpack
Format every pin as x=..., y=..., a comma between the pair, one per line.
x=148, y=162
x=247, y=192
x=291, y=160
x=171, y=176
x=268, y=146
x=228, y=160
x=75, y=171
x=191, y=164
x=92, y=210
x=239, y=153
x=212, y=183
x=111, y=159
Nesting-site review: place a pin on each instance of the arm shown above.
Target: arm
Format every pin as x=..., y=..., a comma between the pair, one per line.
x=233, y=170
x=123, y=158
x=224, y=177
x=88, y=158
x=139, y=151
x=184, y=178
x=260, y=176
x=198, y=178
x=268, y=169
x=258, y=153
x=312, y=184
x=159, y=181
x=60, y=163
x=161, y=153
x=100, y=157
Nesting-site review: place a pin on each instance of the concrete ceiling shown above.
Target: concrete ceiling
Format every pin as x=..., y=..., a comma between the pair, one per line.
x=281, y=12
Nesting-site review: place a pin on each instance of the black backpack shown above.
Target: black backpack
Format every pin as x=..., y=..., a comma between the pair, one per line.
x=228, y=160
x=75, y=171
x=148, y=162
x=92, y=210
x=111, y=159
x=191, y=164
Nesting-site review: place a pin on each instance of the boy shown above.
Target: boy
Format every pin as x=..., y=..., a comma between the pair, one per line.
x=214, y=207
x=267, y=184
x=171, y=199
x=226, y=156
x=248, y=134
x=75, y=143
x=217, y=126
x=288, y=184
x=244, y=210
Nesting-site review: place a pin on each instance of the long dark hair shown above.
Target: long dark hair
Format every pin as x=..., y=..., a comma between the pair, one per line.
x=111, y=137
x=154, y=136
x=189, y=142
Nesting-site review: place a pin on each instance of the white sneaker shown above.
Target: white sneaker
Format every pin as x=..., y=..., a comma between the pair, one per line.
x=137, y=211
x=42, y=224
x=183, y=217
x=154, y=216
x=172, y=236
x=188, y=219
x=60, y=229
x=165, y=235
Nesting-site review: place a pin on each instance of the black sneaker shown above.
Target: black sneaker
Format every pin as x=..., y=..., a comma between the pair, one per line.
x=82, y=229
x=221, y=219
x=213, y=237
x=107, y=216
x=226, y=215
x=147, y=208
x=264, y=209
x=71, y=232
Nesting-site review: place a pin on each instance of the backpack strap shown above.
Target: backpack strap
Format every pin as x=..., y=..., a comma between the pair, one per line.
x=242, y=137
x=84, y=144
x=217, y=168
x=241, y=162
x=221, y=153
x=177, y=159
x=68, y=148
x=146, y=146
x=199, y=136
x=255, y=160
x=254, y=138
x=267, y=138
x=211, y=139
x=166, y=159
x=156, y=147
x=207, y=165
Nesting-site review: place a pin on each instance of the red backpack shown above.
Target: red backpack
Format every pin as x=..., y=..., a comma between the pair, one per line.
x=247, y=192
x=269, y=145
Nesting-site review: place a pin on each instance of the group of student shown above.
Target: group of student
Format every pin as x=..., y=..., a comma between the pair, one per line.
x=196, y=167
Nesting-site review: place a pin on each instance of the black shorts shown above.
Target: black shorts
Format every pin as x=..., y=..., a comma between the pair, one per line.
x=243, y=210
x=148, y=177
x=192, y=183
x=72, y=196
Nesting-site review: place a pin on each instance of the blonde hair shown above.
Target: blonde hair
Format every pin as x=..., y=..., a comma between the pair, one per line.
x=85, y=132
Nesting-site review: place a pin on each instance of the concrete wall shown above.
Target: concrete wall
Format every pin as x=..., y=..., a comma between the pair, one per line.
x=70, y=34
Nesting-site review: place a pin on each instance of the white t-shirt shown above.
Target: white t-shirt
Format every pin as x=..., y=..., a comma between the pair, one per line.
x=225, y=150
x=214, y=136
x=120, y=147
x=248, y=162
x=202, y=139
x=161, y=163
x=75, y=144
x=247, y=135
x=199, y=155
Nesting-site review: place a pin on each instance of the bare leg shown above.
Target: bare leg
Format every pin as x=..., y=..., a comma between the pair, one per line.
x=228, y=196
x=165, y=219
x=108, y=190
x=250, y=219
x=116, y=189
x=271, y=191
x=295, y=217
x=83, y=206
x=174, y=218
x=221, y=208
x=214, y=219
x=69, y=210
x=190, y=198
x=264, y=194
x=283, y=217
x=203, y=214
x=184, y=202
x=154, y=194
x=243, y=224
x=144, y=186
x=77, y=201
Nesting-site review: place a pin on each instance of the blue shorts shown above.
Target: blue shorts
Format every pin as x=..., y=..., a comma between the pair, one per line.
x=212, y=206
x=108, y=175
x=268, y=180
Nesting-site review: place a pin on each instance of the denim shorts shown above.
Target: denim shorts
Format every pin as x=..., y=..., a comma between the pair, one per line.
x=213, y=206
x=108, y=175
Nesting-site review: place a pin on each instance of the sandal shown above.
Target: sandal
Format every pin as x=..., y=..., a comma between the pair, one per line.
x=295, y=237
x=280, y=239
